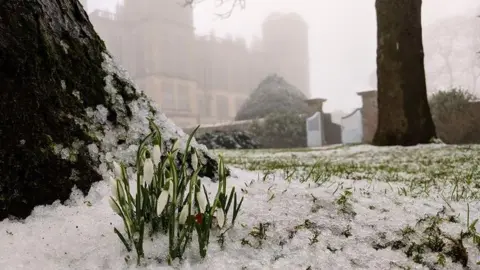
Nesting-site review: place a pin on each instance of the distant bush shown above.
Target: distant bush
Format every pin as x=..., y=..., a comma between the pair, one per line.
x=233, y=139
x=273, y=94
x=280, y=130
x=455, y=117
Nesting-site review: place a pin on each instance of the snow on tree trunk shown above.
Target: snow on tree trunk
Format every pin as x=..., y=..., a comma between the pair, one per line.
x=403, y=113
x=67, y=110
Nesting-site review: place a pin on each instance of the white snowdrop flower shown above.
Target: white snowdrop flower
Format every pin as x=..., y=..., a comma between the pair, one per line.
x=194, y=161
x=114, y=205
x=117, y=169
x=176, y=145
x=202, y=201
x=183, y=215
x=148, y=171
x=220, y=217
x=113, y=187
x=156, y=154
x=162, y=202
x=117, y=190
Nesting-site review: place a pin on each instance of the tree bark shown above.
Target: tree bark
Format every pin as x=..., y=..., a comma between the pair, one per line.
x=53, y=75
x=404, y=116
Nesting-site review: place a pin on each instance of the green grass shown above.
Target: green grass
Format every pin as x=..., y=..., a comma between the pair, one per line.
x=444, y=172
x=451, y=171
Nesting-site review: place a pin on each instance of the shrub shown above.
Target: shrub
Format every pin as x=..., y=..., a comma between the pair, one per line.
x=281, y=130
x=273, y=94
x=169, y=198
x=453, y=112
x=231, y=139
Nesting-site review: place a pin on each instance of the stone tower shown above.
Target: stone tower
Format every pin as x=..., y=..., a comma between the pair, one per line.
x=158, y=38
x=285, y=41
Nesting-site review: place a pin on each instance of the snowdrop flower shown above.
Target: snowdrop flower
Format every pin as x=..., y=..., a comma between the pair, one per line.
x=117, y=190
x=220, y=217
x=113, y=187
x=183, y=215
x=114, y=205
x=148, y=171
x=202, y=201
x=194, y=161
x=157, y=153
x=162, y=202
x=117, y=169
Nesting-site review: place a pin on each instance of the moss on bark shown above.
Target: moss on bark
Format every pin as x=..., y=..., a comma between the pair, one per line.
x=50, y=72
x=42, y=63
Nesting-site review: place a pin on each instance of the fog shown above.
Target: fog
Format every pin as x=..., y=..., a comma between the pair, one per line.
x=342, y=41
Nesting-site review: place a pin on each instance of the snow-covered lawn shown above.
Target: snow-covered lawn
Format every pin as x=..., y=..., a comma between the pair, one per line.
x=339, y=207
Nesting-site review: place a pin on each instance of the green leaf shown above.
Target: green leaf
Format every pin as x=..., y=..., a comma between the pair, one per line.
x=127, y=246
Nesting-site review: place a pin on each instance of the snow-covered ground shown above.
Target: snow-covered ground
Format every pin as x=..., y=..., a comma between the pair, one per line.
x=339, y=207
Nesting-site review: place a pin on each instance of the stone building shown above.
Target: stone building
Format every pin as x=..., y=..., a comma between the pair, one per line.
x=294, y=67
x=200, y=79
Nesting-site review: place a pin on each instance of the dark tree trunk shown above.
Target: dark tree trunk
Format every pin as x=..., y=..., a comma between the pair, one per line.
x=403, y=113
x=52, y=68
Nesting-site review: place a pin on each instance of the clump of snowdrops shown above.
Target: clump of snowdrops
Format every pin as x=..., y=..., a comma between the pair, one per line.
x=170, y=198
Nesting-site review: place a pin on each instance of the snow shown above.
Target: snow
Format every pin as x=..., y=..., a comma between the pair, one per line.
x=142, y=108
x=228, y=123
x=79, y=234
x=130, y=129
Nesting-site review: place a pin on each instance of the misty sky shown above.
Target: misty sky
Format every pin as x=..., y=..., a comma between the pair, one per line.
x=342, y=37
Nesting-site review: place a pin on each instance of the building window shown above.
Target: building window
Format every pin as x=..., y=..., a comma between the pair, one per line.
x=150, y=57
x=204, y=104
x=168, y=56
x=222, y=107
x=183, y=56
x=168, y=95
x=183, y=97
x=140, y=56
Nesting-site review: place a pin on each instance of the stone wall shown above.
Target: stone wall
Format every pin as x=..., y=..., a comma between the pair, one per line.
x=314, y=105
x=369, y=114
x=332, y=131
x=464, y=127
x=225, y=126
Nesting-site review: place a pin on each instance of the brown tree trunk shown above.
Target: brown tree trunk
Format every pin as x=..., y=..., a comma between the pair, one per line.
x=404, y=116
x=54, y=71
